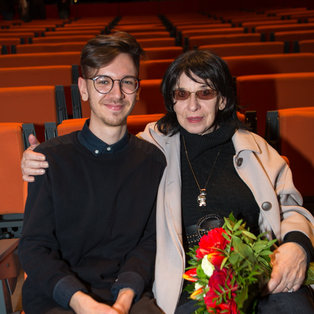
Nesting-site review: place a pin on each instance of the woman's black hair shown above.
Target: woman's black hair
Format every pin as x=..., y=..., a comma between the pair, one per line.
x=208, y=67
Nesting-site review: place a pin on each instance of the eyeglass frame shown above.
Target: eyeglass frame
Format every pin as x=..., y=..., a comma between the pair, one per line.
x=213, y=94
x=114, y=80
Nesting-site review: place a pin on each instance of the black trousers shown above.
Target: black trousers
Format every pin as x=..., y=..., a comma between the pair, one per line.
x=299, y=302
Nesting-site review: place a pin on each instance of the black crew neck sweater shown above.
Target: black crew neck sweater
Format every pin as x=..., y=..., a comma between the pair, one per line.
x=90, y=222
x=226, y=192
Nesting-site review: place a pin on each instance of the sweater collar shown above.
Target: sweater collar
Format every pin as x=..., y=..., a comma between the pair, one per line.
x=197, y=144
x=96, y=146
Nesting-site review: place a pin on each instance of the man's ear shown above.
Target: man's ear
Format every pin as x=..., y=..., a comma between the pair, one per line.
x=138, y=94
x=83, y=88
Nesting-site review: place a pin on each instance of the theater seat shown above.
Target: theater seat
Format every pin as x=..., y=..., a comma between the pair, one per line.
x=291, y=131
x=153, y=69
x=270, y=63
x=274, y=91
x=33, y=104
x=39, y=75
x=242, y=49
x=39, y=59
x=13, y=190
x=135, y=123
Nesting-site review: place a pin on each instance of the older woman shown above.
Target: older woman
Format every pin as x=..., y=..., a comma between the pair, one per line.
x=215, y=167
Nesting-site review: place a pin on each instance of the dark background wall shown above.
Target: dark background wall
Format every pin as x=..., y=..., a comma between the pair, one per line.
x=131, y=7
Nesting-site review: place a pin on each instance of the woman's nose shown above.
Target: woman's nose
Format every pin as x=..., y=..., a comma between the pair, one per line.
x=193, y=103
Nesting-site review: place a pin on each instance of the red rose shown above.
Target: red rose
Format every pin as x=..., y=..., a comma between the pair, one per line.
x=220, y=278
x=210, y=300
x=223, y=278
x=230, y=307
x=212, y=241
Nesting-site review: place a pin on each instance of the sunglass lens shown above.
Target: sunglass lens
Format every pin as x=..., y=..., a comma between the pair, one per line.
x=205, y=94
x=181, y=94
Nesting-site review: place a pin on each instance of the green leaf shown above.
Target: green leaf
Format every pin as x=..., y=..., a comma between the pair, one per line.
x=310, y=275
x=227, y=224
x=237, y=225
x=249, y=234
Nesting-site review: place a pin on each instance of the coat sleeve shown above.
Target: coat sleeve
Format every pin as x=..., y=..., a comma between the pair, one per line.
x=39, y=250
x=293, y=217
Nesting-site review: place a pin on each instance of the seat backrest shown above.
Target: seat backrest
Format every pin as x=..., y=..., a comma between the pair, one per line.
x=12, y=188
x=153, y=69
x=156, y=53
x=306, y=45
x=267, y=30
x=242, y=49
x=291, y=131
x=251, y=26
x=182, y=27
x=196, y=41
x=212, y=31
x=294, y=35
x=71, y=32
x=50, y=47
x=156, y=42
x=150, y=99
x=61, y=39
x=136, y=123
x=40, y=75
x=270, y=64
x=274, y=91
x=33, y=104
x=39, y=59
x=150, y=34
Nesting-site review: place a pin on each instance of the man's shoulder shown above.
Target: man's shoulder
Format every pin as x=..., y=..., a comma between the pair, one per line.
x=149, y=149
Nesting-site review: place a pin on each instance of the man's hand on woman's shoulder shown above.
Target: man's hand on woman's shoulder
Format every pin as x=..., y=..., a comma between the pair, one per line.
x=33, y=163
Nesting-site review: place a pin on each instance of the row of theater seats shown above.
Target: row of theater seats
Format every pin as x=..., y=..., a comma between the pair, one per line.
x=288, y=130
x=297, y=34
x=263, y=82
x=42, y=87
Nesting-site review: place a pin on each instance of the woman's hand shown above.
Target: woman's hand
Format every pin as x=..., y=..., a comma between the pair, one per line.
x=33, y=163
x=289, y=268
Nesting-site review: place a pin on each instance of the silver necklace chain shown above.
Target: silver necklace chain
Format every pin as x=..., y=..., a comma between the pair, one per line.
x=201, y=199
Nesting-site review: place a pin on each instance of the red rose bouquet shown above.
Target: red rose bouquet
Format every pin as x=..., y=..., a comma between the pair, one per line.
x=229, y=269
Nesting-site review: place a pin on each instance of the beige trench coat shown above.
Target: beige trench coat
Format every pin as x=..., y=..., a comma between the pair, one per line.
x=259, y=166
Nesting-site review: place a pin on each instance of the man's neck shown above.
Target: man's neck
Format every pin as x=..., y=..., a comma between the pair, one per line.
x=108, y=134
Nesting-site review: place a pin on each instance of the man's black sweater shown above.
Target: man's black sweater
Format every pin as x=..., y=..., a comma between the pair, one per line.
x=90, y=222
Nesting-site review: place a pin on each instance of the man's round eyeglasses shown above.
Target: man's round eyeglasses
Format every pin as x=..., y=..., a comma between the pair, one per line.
x=104, y=84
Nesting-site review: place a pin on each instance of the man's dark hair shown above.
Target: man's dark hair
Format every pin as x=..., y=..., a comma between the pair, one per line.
x=214, y=71
x=101, y=50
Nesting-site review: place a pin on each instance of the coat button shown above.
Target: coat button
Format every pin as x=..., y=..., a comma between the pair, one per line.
x=239, y=162
x=266, y=206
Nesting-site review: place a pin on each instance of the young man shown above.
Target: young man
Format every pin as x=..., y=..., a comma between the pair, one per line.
x=88, y=241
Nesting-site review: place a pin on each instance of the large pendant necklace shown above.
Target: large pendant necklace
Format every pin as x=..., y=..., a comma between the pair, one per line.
x=201, y=199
